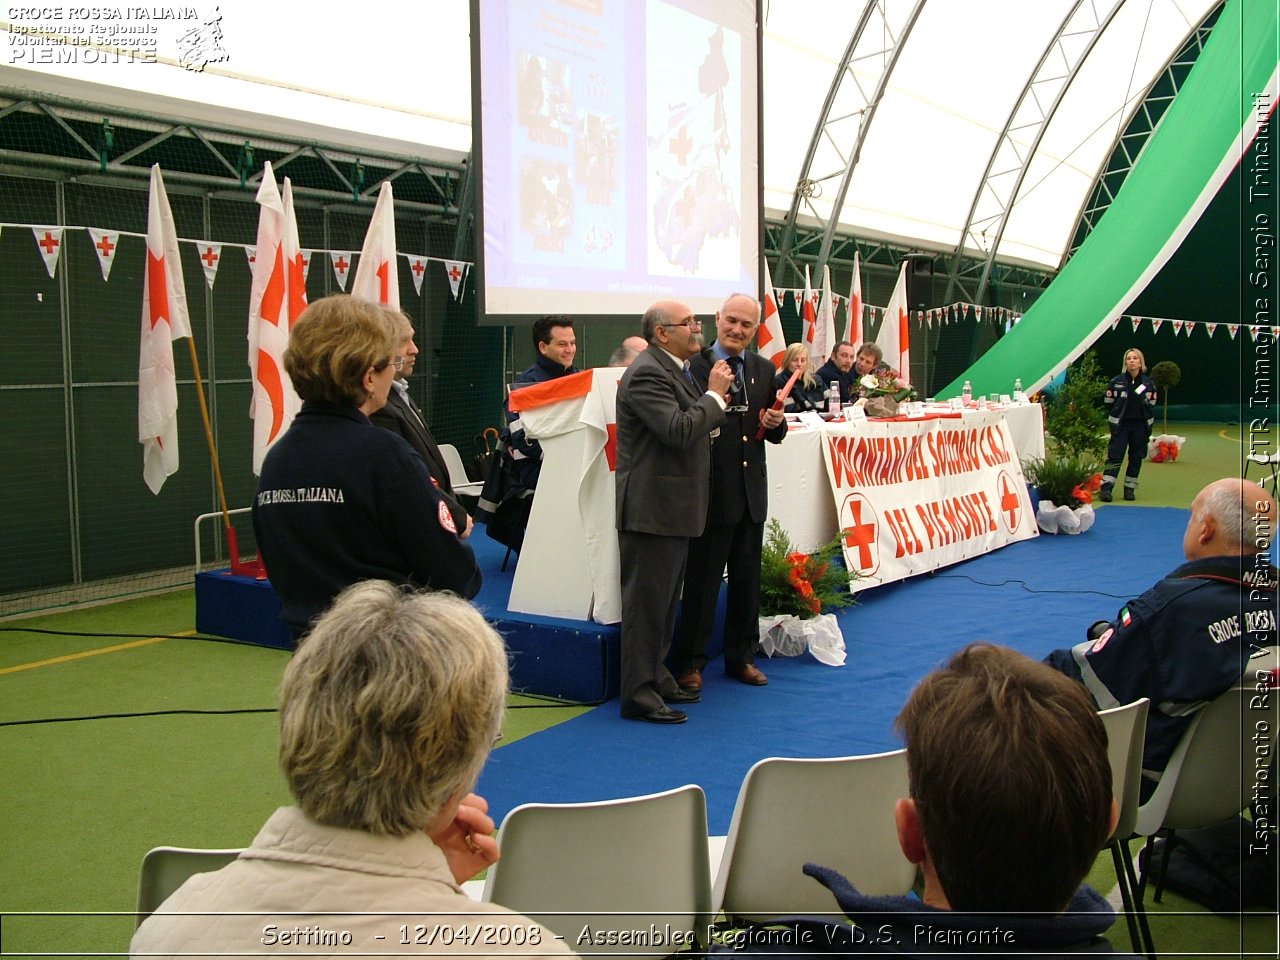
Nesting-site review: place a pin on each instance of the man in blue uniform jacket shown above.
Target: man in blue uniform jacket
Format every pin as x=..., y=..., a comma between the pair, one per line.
x=1188, y=639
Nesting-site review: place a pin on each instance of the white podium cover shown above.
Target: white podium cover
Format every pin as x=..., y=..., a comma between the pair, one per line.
x=568, y=566
x=918, y=495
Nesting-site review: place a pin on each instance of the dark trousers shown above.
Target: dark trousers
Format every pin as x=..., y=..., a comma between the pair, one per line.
x=1131, y=436
x=652, y=569
x=738, y=546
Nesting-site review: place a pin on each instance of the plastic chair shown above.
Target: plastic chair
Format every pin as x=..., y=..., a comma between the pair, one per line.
x=458, y=479
x=1126, y=728
x=165, y=869
x=836, y=812
x=637, y=864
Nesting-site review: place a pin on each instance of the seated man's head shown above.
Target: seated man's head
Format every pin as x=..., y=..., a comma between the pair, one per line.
x=1230, y=518
x=869, y=357
x=1010, y=783
x=842, y=356
x=553, y=338
x=389, y=709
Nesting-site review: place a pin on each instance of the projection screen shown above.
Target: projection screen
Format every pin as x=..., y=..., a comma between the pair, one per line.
x=617, y=146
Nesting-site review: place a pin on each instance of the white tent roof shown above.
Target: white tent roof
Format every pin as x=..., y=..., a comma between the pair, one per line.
x=395, y=82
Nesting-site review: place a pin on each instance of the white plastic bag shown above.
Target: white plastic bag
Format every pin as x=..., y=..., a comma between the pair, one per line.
x=1052, y=518
x=788, y=636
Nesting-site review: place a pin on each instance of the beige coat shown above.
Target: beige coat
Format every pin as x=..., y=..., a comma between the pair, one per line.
x=304, y=888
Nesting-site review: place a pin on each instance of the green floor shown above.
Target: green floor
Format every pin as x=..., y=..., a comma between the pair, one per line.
x=85, y=798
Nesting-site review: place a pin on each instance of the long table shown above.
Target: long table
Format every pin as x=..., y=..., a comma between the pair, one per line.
x=921, y=494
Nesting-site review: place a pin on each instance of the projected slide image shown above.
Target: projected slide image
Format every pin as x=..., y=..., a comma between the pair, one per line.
x=544, y=99
x=596, y=157
x=546, y=203
x=694, y=147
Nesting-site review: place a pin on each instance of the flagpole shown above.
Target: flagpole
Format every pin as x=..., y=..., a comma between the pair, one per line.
x=232, y=545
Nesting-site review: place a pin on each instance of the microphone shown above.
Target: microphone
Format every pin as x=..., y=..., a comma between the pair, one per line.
x=709, y=355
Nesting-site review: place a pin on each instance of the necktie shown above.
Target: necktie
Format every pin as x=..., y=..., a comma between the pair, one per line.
x=739, y=387
x=688, y=372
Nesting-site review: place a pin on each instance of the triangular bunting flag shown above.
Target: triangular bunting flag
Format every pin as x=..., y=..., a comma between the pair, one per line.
x=1155, y=323
x=1253, y=332
x=49, y=240
x=1191, y=325
x=1137, y=322
x=1232, y=328
x=306, y=263
x=1177, y=326
x=251, y=254
x=1116, y=322
x=210, y=257
x=104, y=245
x=341, y=267
x=1209, y=327
x=417, y=266
x=454, y=270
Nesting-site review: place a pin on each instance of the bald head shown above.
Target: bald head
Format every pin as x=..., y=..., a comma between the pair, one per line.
x=1230, y=517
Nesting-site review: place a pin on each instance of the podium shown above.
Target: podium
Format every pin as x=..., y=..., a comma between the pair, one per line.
x=568, y=566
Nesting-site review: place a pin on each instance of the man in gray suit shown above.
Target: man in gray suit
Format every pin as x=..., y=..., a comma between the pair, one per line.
x=663, y=475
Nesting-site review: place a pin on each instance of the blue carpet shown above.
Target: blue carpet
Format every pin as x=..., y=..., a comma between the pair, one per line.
x=1033, y=596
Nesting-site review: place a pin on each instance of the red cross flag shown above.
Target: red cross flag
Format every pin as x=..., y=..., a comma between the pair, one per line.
x=210, y=257
x=824, y=340
x=105, y=243
x=49, y=240
x=164, y=319
x=341, y=261
x=809, y=316
x=455, y=270
x=273, y=403
x=853, y=321
x=377, y=277
x=894, y=336
x=770, y=342
x=417, y=266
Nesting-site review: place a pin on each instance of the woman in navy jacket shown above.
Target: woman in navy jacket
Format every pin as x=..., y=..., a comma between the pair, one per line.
x=1131, y=411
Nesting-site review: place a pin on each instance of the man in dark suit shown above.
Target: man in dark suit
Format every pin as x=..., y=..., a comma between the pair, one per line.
x=739, y=505
x=401, y=415
x=839, y=369
x=663, y=471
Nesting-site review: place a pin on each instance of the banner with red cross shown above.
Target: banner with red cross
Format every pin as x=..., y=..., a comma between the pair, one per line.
x=914, y=496
x=105, y=243
x=49, y=240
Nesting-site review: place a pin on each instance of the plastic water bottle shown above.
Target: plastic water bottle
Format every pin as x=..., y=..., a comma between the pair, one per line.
x=833, y=397
x=1018, y=395
x=967, y=393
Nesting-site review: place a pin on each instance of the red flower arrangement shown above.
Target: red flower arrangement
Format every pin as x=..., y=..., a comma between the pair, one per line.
x=797, y=583
x=1084, y=491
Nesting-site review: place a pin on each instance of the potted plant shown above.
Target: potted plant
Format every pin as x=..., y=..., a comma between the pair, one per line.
x=1166, y=446
x=795, y=590
x=1075, y=416
x=1065, y=484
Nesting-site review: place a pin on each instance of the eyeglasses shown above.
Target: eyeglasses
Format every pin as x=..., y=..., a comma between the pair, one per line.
x=398, y=362
x=694, y=322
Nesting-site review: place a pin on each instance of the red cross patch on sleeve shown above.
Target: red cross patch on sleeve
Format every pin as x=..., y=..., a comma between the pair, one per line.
x=446, y=518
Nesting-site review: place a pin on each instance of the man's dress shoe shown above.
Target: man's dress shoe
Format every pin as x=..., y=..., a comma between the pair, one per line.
x=747, y=673
x=690, y=680
x=682, y=695
x=661, y=715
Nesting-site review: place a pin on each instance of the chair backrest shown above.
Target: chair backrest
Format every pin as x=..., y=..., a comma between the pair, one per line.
x=1217, y=764
x=458, y=478
x=165, y=869
x=834, y=812
x=1126, y=732
x=636, y=864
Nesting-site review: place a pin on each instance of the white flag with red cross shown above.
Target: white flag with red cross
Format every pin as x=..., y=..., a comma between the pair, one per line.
x=377, y=276
x=770, y=342
x=894, y=337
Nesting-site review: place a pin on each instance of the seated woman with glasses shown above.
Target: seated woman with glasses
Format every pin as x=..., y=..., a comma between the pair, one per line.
x=339, y=499
x=387, y=713
x=808, y=392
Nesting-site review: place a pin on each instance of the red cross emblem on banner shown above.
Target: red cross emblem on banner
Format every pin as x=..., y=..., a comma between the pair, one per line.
x=1010, y=502
x=417, y=267
x=209, y=256
x=858, y=522
x=48, y=242
x=105, y=245
x=341, y=264
x=454, y=273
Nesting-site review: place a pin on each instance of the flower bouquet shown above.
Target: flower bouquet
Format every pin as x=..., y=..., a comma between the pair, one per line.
x=795, y=589
x=882, y=390
x=1165, y=448
x=1066, y=485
